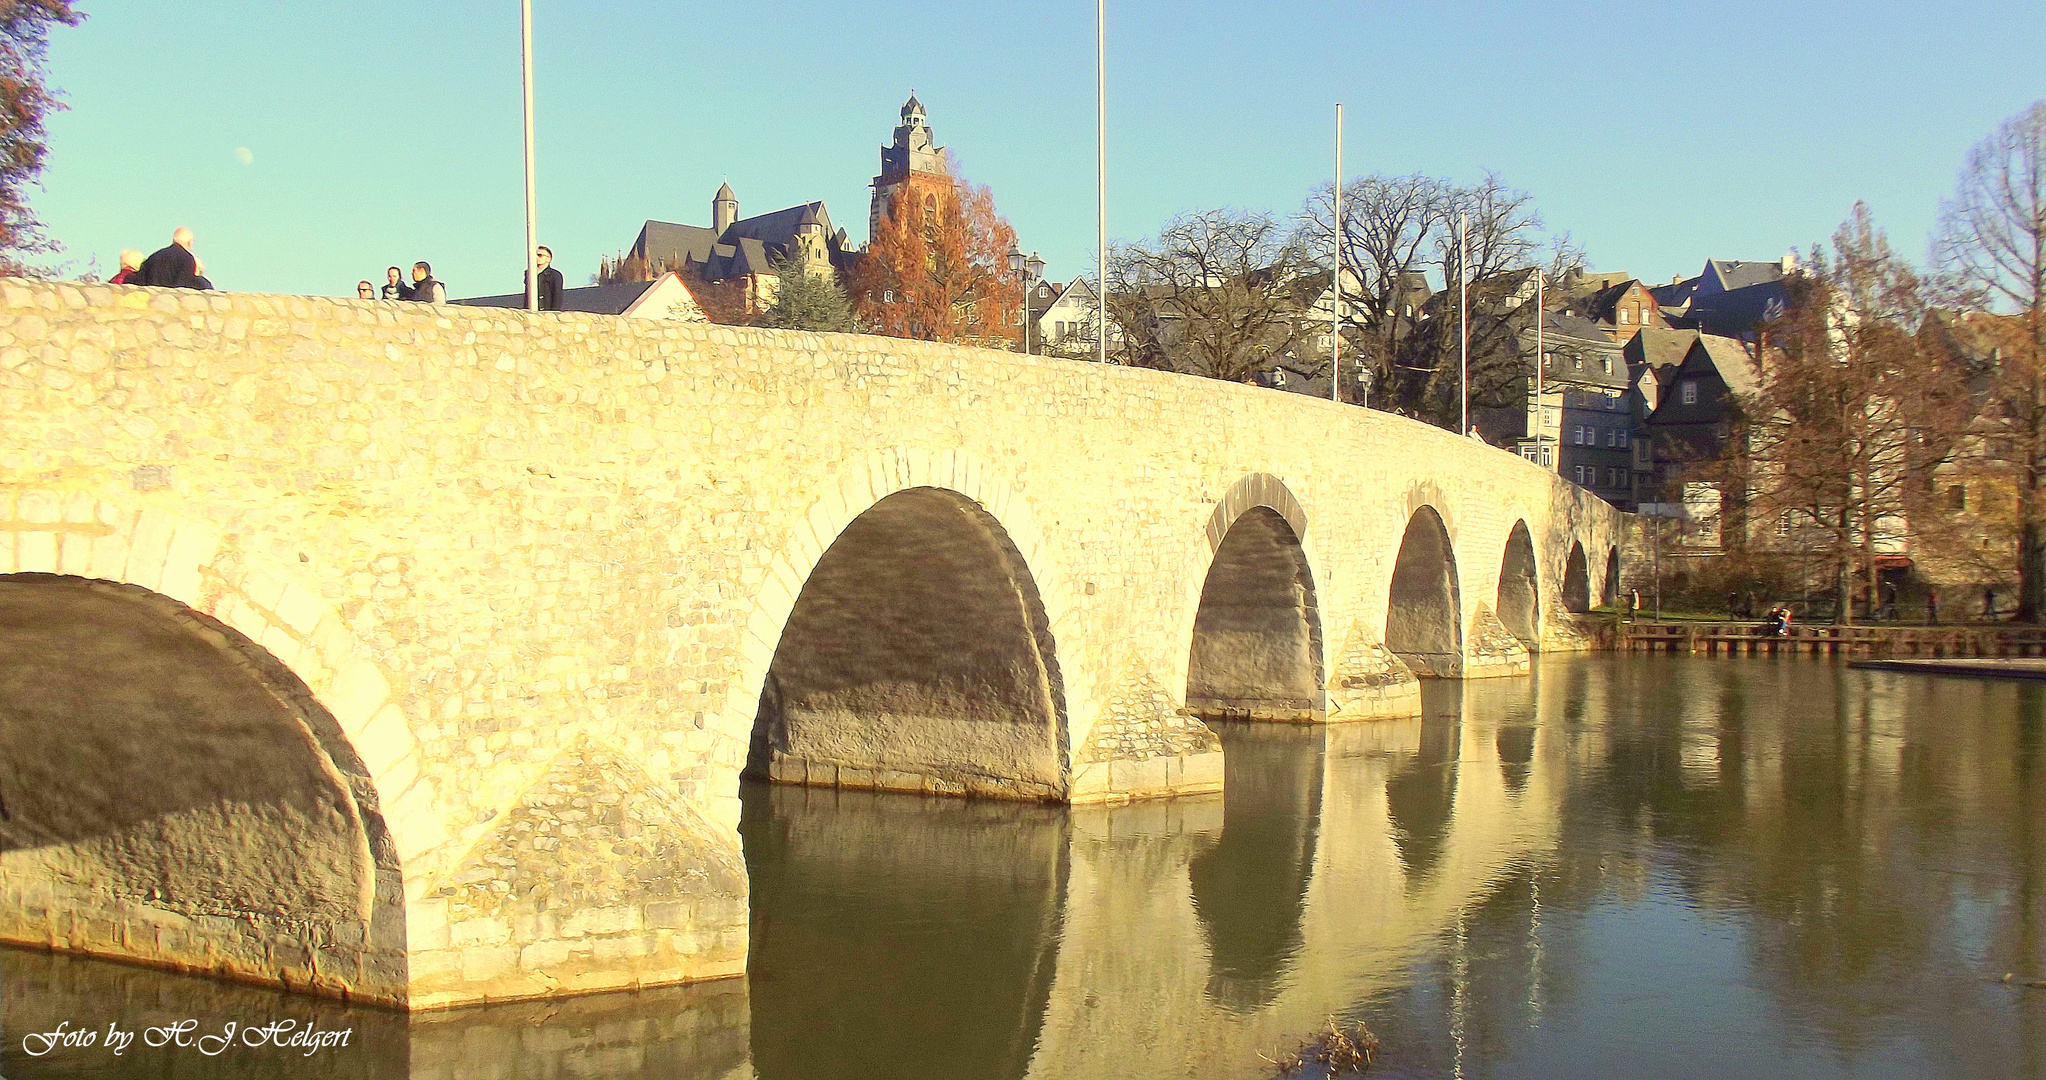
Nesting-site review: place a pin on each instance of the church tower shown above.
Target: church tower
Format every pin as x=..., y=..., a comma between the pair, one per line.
x=724, y=209
x=914, y=151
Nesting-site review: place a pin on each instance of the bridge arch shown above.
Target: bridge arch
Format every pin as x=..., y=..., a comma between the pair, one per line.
x=178, y=722
x=1519, y=599
x=1610, y=594
x=914, y=650
x=1576, y=581
x=1424, y=609
x=1256, y=644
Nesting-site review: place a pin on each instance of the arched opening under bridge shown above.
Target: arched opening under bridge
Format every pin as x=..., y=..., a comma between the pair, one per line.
x=1519, y=602
x=1424, y=615
x=917, y=658
x=175, y=796
x=1257, y=650
x=1576, y=581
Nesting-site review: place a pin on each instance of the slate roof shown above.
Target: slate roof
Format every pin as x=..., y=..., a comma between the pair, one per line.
x=1601, y=305
x=1674, y=297
x=1739, y=274
x=1572, y=341
x=1739, y=311
x=749, y=246
x=1659, y=349
x=610, y=299
x=1734, y=365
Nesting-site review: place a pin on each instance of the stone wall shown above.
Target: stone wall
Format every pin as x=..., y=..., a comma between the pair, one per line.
x=526, y=559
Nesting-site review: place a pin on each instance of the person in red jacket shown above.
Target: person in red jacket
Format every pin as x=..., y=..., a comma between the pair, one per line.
x=131, y=263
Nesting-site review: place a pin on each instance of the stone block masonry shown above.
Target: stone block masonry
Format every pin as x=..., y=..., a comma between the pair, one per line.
x=528, y=592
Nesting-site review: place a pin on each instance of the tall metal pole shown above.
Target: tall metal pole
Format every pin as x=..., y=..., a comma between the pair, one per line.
x=1101, y=179
x=1541, y=316
x=532, y=215
x=1335, y=337
x=1463, y=331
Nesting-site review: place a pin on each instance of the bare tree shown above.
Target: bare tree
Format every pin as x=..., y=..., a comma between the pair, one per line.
x=1395, y=231
x=1391, y=225
x=1992, y=250
x=1853, y=409
x=1216, y=294
x=1502, y=231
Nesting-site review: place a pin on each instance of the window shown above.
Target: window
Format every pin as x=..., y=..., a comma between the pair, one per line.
x=1689, y=391
x=1547, y=459
x=1647, y=315
x=1625, y=318
x=1612, y=437
x=1623, y=437
x=1579, y=473
x=1607, y=364
x=887, y=296
x=1957, y=497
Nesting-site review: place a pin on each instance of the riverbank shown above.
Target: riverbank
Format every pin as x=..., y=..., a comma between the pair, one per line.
x=1981, y=668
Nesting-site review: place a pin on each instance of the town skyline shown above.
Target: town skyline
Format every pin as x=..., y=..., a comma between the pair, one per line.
x=329, y=145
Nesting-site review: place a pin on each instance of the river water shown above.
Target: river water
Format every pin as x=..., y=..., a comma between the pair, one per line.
x=1622, y=866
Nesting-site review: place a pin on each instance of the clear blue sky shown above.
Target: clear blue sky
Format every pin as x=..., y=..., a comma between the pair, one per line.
x=378, y=132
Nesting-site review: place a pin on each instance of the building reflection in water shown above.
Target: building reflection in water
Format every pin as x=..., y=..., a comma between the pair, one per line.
x=1622, y=866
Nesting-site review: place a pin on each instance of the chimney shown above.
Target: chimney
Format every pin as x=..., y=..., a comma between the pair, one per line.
x=1788, y=263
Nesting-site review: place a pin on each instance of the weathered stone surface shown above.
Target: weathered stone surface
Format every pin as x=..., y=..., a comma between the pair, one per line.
x=478, y=538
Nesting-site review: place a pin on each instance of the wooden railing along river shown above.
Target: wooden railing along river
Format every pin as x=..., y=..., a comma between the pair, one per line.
x=1879, y=641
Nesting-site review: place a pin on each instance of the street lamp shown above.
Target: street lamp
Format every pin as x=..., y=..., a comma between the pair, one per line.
x=1030, y=269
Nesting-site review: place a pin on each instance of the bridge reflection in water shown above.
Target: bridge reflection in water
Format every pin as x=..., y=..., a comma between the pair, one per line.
x=1630, y=865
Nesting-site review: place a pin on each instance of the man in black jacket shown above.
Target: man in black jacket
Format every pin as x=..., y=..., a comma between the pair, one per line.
x=550, y=280
x=424, y=288
x=172, y=267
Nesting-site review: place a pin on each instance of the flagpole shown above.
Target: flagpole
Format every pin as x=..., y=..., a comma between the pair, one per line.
x=532, y=215
x=1463, y=330
x=1335, y=338
x=1101, y=179
x=1541, y=316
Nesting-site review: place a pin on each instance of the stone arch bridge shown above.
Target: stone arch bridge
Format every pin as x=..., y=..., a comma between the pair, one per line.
x=414, y=654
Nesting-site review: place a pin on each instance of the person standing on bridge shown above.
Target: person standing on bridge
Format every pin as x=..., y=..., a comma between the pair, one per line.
x=131, y=265
x=172, y=267
x=550, y=280
x=424, y=288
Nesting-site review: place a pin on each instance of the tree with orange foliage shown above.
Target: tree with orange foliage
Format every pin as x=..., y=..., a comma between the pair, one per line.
x=936, y=268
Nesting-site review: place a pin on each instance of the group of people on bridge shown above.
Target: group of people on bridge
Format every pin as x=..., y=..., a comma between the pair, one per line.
x=425, y=289
x=171, y=267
